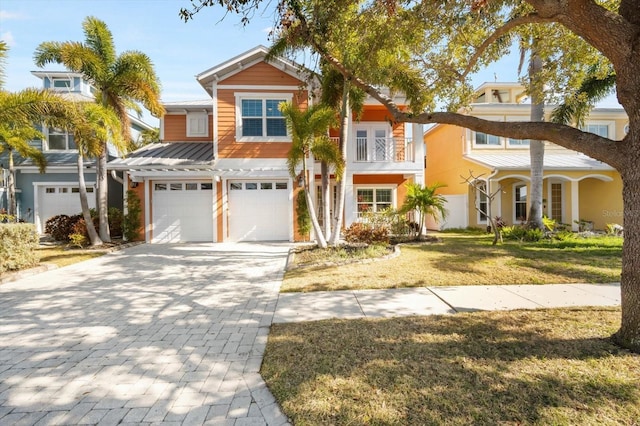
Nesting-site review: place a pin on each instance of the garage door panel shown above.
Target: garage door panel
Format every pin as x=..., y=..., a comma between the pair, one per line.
x=182, y=212
x=259, y=210
x=55, y=200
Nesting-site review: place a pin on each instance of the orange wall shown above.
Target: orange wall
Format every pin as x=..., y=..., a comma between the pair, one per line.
x=264, y=74
x=175, y=129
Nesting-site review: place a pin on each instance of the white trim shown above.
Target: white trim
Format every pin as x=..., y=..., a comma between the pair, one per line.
x=575, y=205
x=513, y=200
x=392, y=187
x=487, y=201
x=225, y=210
x=198, y=116
x=239, y=97
x=214, y=95
x=611, y=127
x=147, y=210
x=257, y=87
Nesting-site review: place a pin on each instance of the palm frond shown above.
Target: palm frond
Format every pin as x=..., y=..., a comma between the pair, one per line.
x=576, y=108
x=99, y=39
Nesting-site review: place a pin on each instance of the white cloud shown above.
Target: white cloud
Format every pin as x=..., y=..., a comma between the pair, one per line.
x=6, y=15
x=7, y=37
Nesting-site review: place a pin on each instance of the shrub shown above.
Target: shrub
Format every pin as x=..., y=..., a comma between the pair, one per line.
x=18, y=244
x=365, y=233
x=59, y=227
x=533, y=235
x=131, y=223
x=116, y=219
x=522, y=233
x=78, y=240
x=549, y=223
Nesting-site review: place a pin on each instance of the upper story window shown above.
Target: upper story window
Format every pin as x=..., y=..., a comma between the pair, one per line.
x=500, y=96
x=600, y=129
x=483, y=139
x=259, y=119
x=197, y=124
x=60, y=140
x=518, y=143
x=61, y=83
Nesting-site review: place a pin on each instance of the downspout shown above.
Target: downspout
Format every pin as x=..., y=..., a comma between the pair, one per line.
x=117, y=178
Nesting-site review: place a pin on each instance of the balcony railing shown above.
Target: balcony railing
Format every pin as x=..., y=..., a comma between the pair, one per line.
x=382, y=150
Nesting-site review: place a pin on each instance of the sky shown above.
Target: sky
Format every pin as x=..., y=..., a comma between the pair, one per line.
x=178, y=50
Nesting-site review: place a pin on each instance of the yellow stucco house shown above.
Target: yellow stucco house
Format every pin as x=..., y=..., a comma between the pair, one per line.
x=576, y=187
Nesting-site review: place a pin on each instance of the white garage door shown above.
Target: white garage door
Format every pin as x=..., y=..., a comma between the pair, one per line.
x=61, y=199
x=182, y=212
x=259, y=210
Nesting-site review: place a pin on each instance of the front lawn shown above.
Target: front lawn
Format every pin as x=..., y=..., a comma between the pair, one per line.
x=520, y=367
x=470, y=259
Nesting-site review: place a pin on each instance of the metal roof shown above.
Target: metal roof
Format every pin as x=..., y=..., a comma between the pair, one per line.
x=522, y=161
x=54, y=159
x=174, y=155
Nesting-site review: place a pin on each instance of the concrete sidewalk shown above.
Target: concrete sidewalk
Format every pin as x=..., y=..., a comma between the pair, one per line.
x=295, y=307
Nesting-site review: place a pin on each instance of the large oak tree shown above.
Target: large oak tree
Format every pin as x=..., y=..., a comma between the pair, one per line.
x=428, y=49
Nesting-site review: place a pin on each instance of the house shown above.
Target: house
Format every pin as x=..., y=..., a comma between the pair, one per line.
x=41, y=196
x=575, y=187
x=220, y=172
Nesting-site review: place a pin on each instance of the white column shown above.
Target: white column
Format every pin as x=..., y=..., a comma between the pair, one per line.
x=147, y=210
x=417, y=135
x=575, y=205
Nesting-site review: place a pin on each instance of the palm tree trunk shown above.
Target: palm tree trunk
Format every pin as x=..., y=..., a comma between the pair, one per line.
x=11, y=186
x=326, y=198
x=338, y=213
x=536, y=147
x=84, y=204
x=103, y=190
x=322, y=242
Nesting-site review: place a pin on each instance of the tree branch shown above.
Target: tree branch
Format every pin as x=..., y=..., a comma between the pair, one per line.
x=532, y=18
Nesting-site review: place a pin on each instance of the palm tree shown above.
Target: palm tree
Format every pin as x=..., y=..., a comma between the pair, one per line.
x=93, y=125
x=18, y=113
x=425, y=200
x=16, y=139
x=121, y=82
x=308, y=131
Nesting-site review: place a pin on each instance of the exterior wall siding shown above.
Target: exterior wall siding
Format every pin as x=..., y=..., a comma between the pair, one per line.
x=175, y=129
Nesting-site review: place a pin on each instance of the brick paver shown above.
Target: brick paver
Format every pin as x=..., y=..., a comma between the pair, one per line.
x=158, y=334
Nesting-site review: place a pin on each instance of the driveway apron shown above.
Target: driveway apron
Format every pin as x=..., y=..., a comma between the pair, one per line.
x=154, y=334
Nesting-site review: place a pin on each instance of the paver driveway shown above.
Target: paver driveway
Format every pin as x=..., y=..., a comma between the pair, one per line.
x=160, y=334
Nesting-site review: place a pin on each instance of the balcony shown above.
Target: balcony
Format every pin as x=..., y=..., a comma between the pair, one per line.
x=381, y=150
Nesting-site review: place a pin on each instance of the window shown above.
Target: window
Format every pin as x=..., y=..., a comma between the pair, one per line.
x=556, y=201
x=61, y=83
x=520, y=203
x=481, y=199
x=281, y=185
x=373, y=200
x=251, y=186
x=485, y=139
x=206, y=186
x=197, y=124
x=235, y=186
x=500, y=96
x=598, y=129
x=519, y=142
x=266, y=185
x=260, y=119
x=175, y=187
x=191, y=186
x=60, y=140
x=160, y=186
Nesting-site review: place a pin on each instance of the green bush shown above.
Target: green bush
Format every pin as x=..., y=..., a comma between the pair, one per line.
x=78, y=240
x=116, y=219
x=365, y=233
x=18, y=244
x=132, y=222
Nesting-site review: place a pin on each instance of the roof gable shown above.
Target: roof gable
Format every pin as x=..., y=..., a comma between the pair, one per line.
x=246, y=60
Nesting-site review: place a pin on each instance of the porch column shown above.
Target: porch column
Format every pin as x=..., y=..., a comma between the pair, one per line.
x=147, y=210
x=350, y=214
x=417, y=136
x=575, y=205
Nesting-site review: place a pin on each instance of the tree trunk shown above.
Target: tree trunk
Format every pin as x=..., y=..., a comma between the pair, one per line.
x=536, y=147
x=322, y=242
x=84, y=204
x=11, y=186
x=103, y=191
x=338, y=213
x=326, y=198
x=629, y=334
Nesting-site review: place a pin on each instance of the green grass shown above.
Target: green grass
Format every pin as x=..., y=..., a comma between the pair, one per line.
x=61, y=256
x=519, y=368
x=470, y=259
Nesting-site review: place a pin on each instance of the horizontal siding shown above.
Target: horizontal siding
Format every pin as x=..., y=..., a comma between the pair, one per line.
x=227, y=145
x=175, y=129
x=262, y=74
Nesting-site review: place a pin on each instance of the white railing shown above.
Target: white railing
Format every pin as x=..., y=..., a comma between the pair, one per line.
x=384, y=150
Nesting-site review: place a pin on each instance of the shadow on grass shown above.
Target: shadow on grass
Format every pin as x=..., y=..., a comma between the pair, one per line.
x=489, y=368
